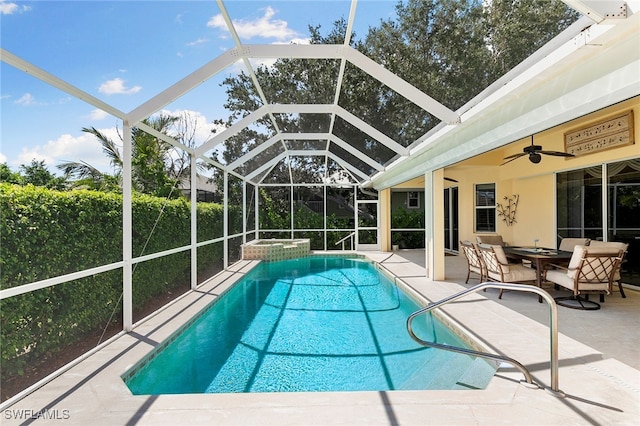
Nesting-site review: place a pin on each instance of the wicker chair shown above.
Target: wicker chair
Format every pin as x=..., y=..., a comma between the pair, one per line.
x=498, y=269
x=590, y=270
x=474, y=262
x=620, y=246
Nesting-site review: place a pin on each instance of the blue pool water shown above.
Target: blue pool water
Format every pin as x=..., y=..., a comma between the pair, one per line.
x=311, y=324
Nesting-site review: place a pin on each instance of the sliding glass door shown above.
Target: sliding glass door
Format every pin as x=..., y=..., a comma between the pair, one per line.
x=582, y=204
x=623, y=182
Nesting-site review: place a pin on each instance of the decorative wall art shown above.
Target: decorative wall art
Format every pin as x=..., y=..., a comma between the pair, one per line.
x=507, y=211
x=612, y=133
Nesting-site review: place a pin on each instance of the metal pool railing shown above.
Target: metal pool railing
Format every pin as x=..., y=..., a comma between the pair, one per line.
x=553, y=329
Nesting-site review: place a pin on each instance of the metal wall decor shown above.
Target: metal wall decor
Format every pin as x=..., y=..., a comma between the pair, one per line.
x=507, y=211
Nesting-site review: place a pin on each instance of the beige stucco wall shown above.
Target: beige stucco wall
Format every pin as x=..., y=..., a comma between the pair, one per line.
x=534, y=183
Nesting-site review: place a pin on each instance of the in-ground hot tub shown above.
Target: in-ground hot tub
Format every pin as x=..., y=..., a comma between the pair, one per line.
x=274, y=250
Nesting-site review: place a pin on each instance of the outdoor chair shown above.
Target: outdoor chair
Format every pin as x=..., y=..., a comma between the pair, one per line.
x=490, y=239
x=474, y=262
x=498, y=269
x=618, y=245
x=567, y=244
x=590, y=270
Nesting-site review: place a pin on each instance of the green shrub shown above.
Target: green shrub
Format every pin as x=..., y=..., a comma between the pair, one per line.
x=45, y=234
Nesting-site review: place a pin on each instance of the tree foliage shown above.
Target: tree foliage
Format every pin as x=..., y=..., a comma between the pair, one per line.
x=157, y=166
x=449, y=49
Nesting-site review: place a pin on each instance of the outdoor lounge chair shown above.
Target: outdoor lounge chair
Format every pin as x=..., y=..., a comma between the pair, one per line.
x=498, y=269
x=474, y=262
x=567, y=244
x=591, y=270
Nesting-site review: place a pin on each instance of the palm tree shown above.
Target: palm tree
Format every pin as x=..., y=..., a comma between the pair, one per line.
x=157, y=166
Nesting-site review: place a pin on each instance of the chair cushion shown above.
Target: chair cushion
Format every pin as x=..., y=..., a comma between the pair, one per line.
x=519, y=273
x=567, y=244
x=502, y=257
x=490, y=260
x=560, y=277
x=490, y=239
x=615, y=244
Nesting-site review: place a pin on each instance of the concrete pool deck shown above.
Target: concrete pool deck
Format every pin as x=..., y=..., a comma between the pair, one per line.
x=598, y=351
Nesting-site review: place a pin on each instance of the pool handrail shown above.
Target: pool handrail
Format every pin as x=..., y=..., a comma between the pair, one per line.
x=351, y=235
x=553, y=329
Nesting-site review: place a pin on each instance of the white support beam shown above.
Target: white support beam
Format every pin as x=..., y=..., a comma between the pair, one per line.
x=599, y=10
x=371, y=131
x=127, y=228
x=19, y=63
x=301, y=108
x=257, y=150
x=265, y=166
x=347, y=166
x=405, y=89
x=194, y=221
x=185, y=85
x=358, y=154
x=307, y=136
x=306, y=153
x=294, y=51
x=140, y=125
x=235, y=128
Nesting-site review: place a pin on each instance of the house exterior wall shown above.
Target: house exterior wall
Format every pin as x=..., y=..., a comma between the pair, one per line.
x=534, y=183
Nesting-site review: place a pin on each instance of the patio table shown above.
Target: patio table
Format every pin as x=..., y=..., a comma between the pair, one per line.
x=539, y=257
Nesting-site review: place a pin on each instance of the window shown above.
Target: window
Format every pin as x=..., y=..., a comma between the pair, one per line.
x=413, y=200
x=485, y=206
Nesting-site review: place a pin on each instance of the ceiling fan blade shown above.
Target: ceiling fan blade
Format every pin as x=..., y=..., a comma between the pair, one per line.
x=557, y=153
x=450, y=179
x=514, y=156
x=511, y=158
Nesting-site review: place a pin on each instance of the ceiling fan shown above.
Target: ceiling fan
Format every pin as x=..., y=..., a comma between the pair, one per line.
x=534, y=152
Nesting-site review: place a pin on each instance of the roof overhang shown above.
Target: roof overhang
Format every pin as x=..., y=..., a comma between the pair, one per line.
x=595, y=69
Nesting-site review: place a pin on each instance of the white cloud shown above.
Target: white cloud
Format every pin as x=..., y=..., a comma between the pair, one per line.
x=265, y=26
x=7, y=8
x=98, y=114
x=202, y=125
x=117, y=87
x=70, y=148
x=3, y=158
x=27, y=99
x=197, y=42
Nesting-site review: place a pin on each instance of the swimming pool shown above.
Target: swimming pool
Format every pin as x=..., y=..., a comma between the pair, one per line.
x=309, y=324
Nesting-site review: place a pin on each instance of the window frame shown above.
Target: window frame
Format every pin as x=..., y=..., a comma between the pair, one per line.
x=477, y=208
x=410, y=199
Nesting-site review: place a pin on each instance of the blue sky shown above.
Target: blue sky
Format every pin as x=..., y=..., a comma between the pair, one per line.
x=126, y=52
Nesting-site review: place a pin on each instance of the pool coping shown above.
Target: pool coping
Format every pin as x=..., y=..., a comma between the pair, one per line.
x=602, y=391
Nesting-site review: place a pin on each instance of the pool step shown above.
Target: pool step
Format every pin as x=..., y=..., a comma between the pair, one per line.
x=424, y=374
x=450, y=373
x=447, y=371
x=477, y=376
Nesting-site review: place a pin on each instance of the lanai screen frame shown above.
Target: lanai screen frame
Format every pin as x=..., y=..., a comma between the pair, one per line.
x=243, y=52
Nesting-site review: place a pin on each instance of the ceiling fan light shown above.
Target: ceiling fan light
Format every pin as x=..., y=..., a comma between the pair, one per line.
x=535, y=158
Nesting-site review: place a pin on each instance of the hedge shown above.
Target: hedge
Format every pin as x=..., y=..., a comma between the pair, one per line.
x=45, y=233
